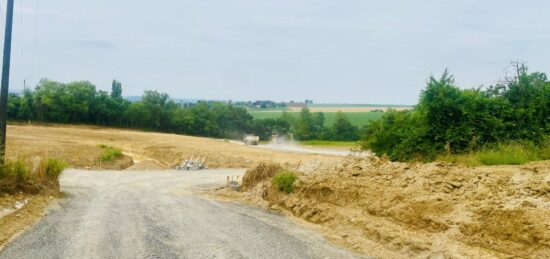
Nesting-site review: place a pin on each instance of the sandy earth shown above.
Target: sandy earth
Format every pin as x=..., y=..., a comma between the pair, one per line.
x=400, y=210
x=154, y=214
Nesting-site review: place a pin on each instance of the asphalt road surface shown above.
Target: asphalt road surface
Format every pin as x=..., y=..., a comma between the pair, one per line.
x=155, y=215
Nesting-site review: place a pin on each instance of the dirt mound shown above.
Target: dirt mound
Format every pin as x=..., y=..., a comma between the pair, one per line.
x=399, y=210
x=259, y=173
x=120, y=163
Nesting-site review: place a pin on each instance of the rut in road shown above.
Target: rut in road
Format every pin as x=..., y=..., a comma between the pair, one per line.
x=154, y=215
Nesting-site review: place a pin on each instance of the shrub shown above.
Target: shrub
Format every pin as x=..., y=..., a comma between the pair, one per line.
x=450, y=120
x=285, y=181
x=110, y=154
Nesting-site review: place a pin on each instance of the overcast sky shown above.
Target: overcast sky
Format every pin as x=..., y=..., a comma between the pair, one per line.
x=330, y=51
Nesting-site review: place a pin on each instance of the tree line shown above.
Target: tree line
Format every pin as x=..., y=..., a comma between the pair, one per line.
x=450, y=120
x=81, y=102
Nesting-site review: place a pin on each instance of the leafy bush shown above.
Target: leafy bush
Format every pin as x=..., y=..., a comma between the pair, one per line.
x=449, y=121
x=285, y=181
x=110, y=154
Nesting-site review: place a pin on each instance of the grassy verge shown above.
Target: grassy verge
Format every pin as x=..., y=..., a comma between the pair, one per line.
x=327, y=143
x=22, y=176
x=503, y=154
x=109, y=153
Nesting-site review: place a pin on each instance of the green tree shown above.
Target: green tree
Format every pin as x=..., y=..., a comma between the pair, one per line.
x=116, y=90
x=343, y=130
x=304, y=128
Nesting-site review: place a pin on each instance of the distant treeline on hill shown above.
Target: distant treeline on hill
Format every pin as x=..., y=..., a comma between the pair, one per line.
x=81, y=102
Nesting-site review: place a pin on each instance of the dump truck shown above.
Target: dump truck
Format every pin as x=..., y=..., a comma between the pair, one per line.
x=251, y=139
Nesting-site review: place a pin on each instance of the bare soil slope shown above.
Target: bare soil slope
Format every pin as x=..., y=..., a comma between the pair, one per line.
x=398, y=210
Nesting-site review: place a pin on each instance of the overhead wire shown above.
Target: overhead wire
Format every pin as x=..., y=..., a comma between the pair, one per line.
x=35, y=36
x=21, y=40
x=2, y=14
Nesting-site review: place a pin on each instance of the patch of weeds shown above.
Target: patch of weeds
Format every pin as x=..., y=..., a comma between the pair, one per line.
x=503, y=154
x=285, y=181
x=21, y=176
x=52, y=168
x=110, y=154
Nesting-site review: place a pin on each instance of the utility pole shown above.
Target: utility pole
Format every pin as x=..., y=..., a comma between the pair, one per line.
x=5, y=80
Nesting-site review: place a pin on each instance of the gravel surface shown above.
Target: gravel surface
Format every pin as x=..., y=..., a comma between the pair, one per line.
x=152, y=214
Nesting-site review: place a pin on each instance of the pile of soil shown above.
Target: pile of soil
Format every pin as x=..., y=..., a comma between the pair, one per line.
x=400, y=210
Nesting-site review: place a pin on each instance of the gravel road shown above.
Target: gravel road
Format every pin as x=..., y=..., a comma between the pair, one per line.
x=155, y=215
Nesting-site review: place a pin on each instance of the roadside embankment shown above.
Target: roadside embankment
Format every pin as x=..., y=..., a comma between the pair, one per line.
x=400, y=210
x=25, y=190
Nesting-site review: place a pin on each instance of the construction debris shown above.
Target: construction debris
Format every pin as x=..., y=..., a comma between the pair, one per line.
x=193, y=164
x=232, y=184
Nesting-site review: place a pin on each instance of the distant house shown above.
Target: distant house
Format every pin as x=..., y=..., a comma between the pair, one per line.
x=296, y=105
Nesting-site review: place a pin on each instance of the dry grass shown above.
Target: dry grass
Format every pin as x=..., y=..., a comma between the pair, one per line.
x=259, y=173
x=22, y=175
x=78, y=145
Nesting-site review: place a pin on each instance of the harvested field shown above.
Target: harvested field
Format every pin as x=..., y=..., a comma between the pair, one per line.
x=79, y=146
x=358, y=119
x=400, y=210
x=351, y=109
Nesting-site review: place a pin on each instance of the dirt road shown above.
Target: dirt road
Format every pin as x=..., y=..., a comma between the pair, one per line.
x=156, y=215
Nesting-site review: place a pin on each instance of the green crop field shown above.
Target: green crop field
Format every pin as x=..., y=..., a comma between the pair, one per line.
x=357, y=118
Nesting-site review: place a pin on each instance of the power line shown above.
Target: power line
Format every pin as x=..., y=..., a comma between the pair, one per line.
x=34, y=40
x=21, y=34
x=1, y=13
